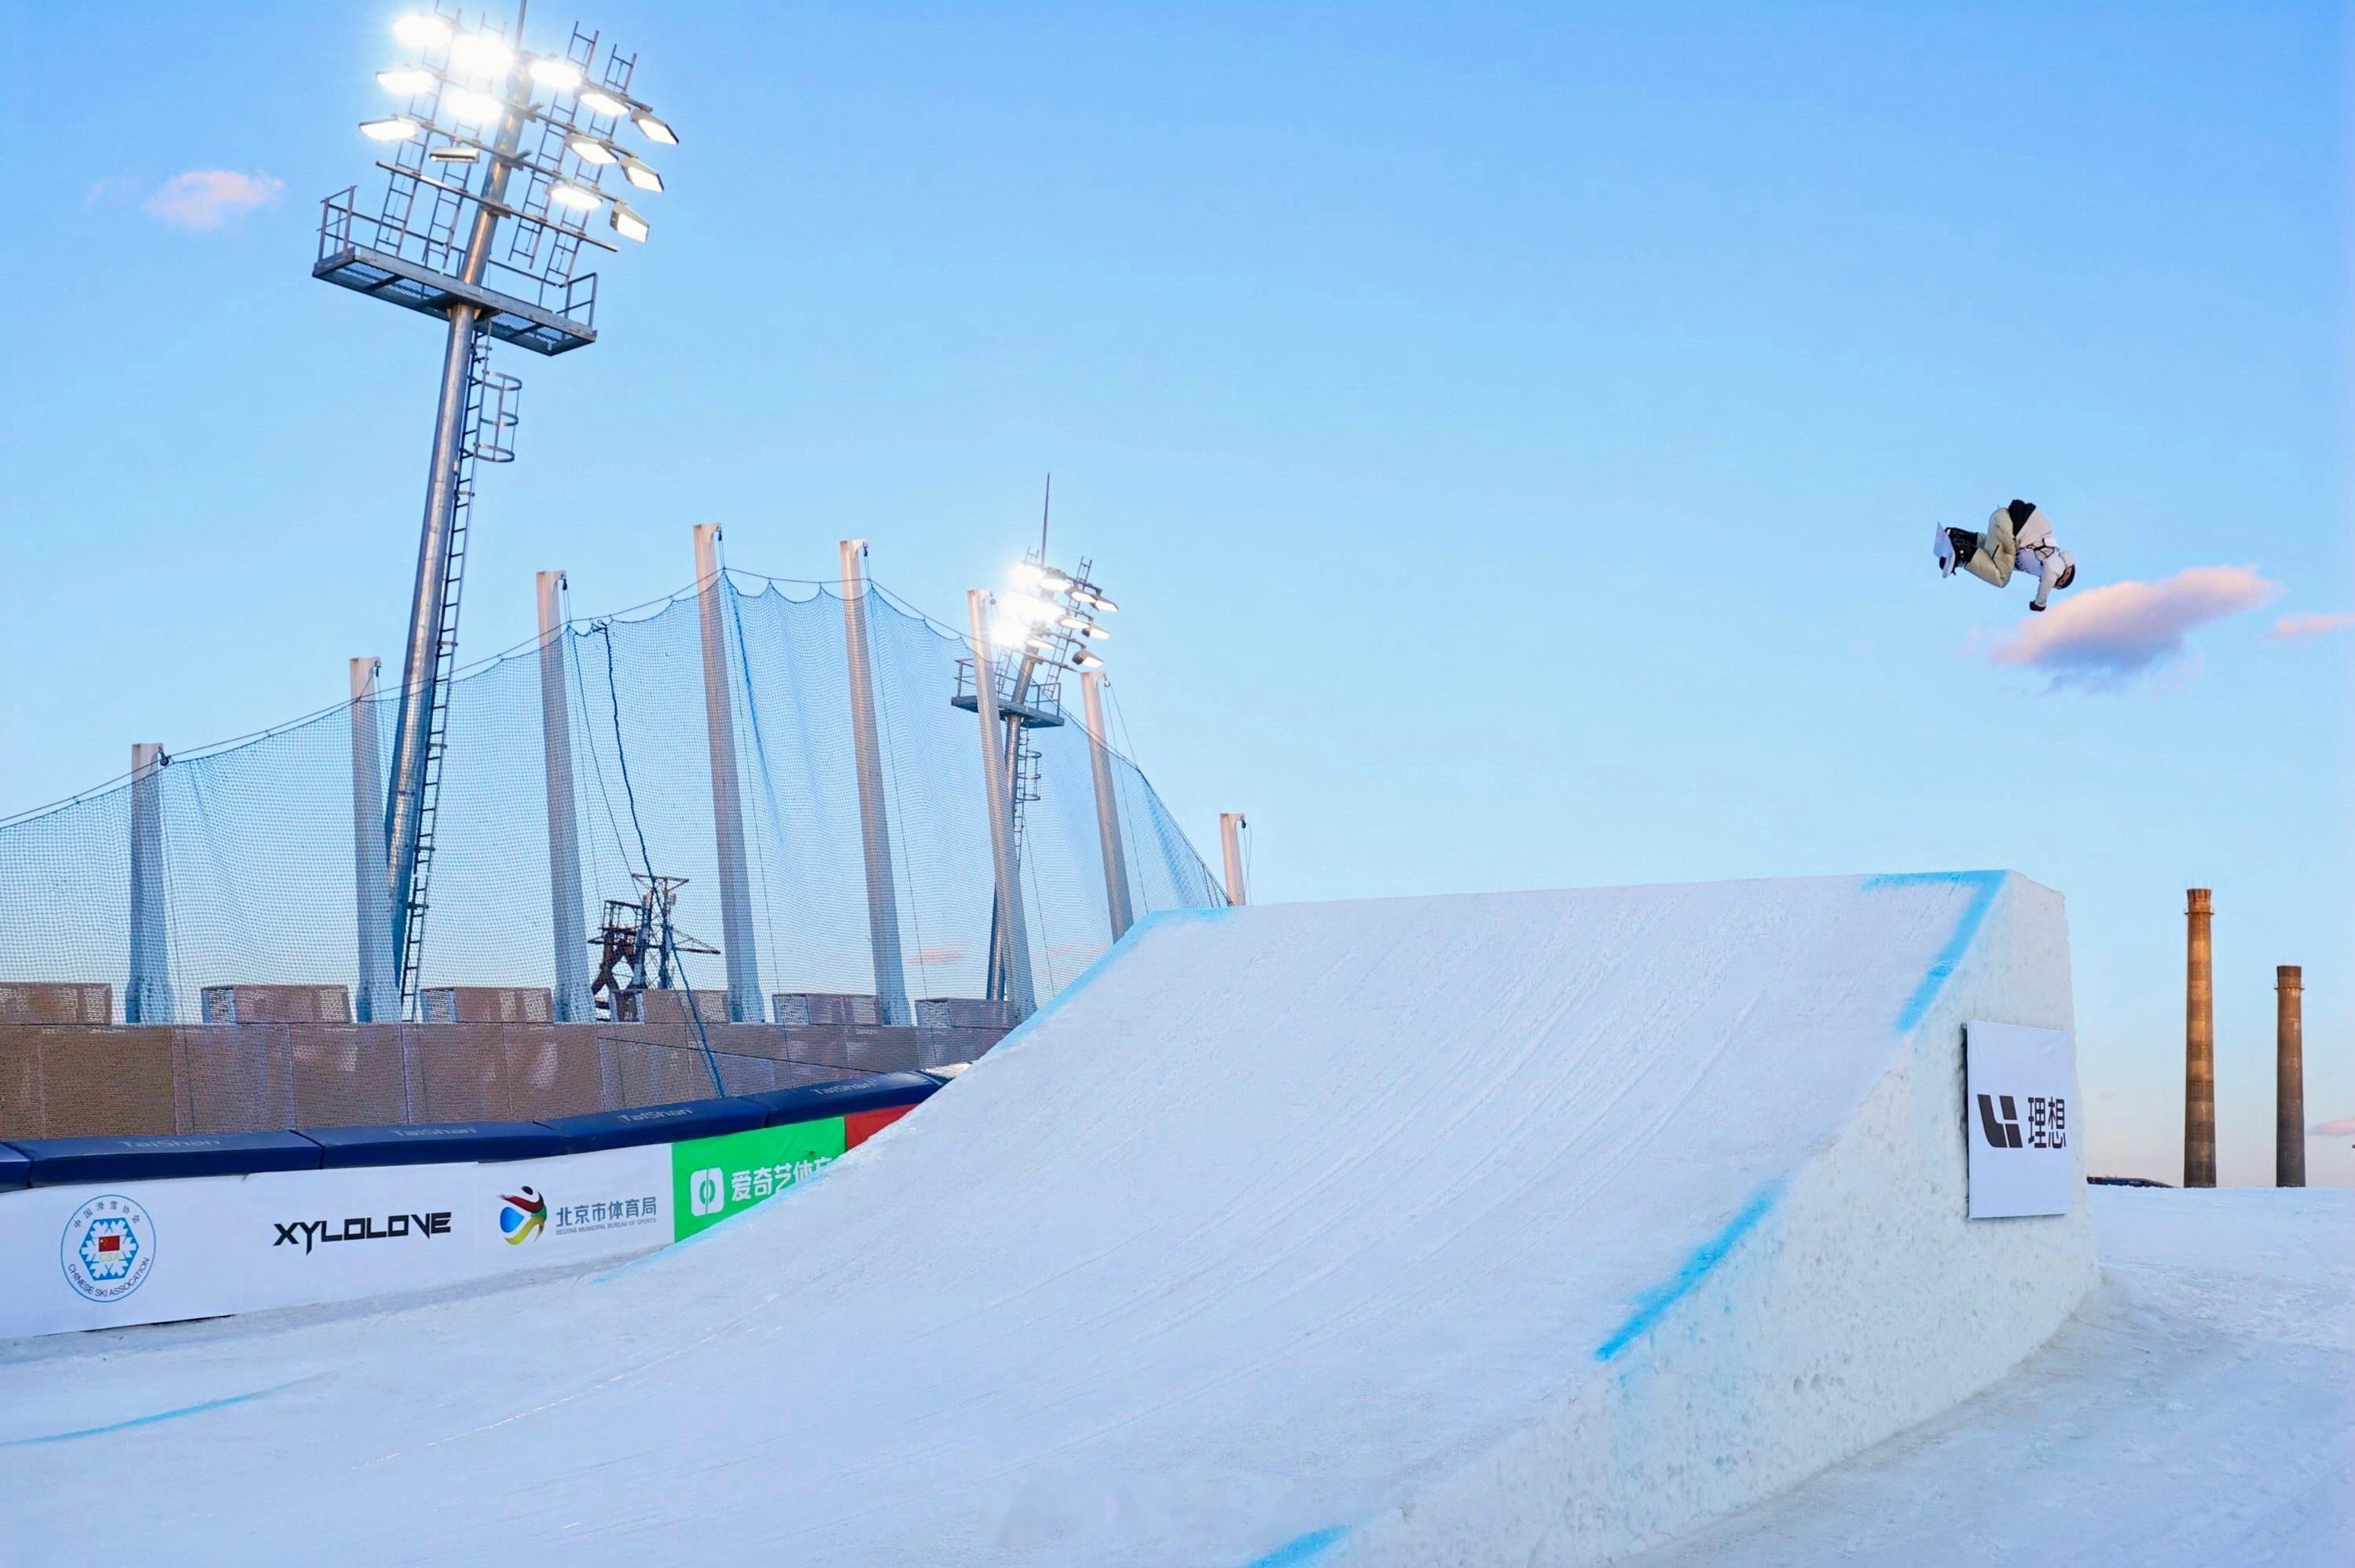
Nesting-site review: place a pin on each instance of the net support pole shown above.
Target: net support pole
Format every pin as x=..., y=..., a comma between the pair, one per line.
x=726, y=788
x=998, y=786
x=1115, y=858
x=376, y=997
x=147, y=998
x=568, y=922
x=874, y=822
x=1231, y=841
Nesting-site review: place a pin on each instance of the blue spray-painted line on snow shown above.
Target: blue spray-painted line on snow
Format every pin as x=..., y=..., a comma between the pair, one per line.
x=1302, y=1549
x=1654, y=1304
x=145, y=1420
x=1966, y=929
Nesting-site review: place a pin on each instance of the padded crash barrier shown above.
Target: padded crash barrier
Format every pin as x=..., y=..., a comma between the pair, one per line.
x=65, y=1161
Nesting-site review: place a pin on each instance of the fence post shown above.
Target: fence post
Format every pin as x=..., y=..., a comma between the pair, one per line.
x=376, y=997
x=727, y=794
x=998, y=784
x=1230, y=842
x=567, y=923
x=1115, y=859
x=874, y=822
x=148, y=997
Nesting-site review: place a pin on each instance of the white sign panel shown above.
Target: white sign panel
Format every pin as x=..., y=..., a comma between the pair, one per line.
x=151, y=1252
x=2019, y=1100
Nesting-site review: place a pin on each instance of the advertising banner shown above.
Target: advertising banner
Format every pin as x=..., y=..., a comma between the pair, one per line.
x=713, y=1178
x=2017, y=1092
x=151, y=1252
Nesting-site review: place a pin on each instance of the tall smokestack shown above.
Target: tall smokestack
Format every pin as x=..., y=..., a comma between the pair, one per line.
x=2198, y=1045
x=2289, y=1076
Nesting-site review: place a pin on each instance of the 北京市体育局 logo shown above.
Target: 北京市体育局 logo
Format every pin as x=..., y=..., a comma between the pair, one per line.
x=109, y=1249
x=522, y=1215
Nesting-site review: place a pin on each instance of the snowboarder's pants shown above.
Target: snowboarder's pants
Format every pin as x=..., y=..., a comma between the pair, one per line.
x=1989, y=555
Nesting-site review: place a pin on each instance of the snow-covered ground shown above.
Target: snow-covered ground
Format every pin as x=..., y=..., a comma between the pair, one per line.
x=1405, y=1231
x=1501, y=1229
x=2198, y=1411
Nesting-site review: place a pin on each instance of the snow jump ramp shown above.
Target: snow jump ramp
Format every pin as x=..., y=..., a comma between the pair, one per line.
x=1524, y=1228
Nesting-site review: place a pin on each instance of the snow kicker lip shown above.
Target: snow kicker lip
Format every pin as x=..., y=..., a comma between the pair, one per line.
x=1529, y=1226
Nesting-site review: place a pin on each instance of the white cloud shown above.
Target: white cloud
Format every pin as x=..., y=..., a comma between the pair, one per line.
x=2343, y=1128
x=207, y=198
x=2106, y=635
x=2300, y=626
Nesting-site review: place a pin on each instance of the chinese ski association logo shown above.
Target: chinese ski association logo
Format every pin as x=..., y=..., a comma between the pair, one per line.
x=109, y=1249
x=522, y=1216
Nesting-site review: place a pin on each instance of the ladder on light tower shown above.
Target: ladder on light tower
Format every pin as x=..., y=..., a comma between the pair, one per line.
x=492, y=410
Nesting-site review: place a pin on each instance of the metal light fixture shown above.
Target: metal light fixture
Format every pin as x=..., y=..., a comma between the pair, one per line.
x=656, y=129
x=456, y=152
x=556, y=75
x=597, y=100
x=579, y=199
x=640, y=175
x=400, y=128
x=421, y=31
x=481, y=54
x=464, y=103
x=589, y=150
x=628, y=224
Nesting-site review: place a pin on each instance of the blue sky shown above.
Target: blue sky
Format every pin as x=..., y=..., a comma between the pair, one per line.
x=1513, y=433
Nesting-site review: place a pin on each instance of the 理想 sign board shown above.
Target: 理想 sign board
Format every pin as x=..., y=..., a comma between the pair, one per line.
x=2019, y=1092
x=151, y=1252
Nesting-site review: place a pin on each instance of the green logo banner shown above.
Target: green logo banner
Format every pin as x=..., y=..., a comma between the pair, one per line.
x=713, y=1178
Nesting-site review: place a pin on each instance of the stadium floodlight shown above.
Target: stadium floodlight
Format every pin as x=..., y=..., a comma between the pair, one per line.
x=463, y=104
x=421, y=31
x=1025, y=573
x=1084, y=628
x=557, y=75
x=501, y=140
x=481, y=54
x=1082, y=659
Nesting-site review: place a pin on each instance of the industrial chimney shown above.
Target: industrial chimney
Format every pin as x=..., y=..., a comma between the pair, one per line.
x=2289, y=1076
x=2198, y=1045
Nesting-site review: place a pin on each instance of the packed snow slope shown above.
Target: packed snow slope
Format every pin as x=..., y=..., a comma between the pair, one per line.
x=1527, y=1227
x=2200, y=1410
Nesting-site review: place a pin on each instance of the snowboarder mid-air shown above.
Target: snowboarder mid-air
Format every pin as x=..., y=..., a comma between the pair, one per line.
x=2017, y=538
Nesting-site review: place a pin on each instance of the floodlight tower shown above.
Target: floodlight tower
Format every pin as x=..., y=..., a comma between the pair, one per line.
x=1043, y=627
x=495, y=166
